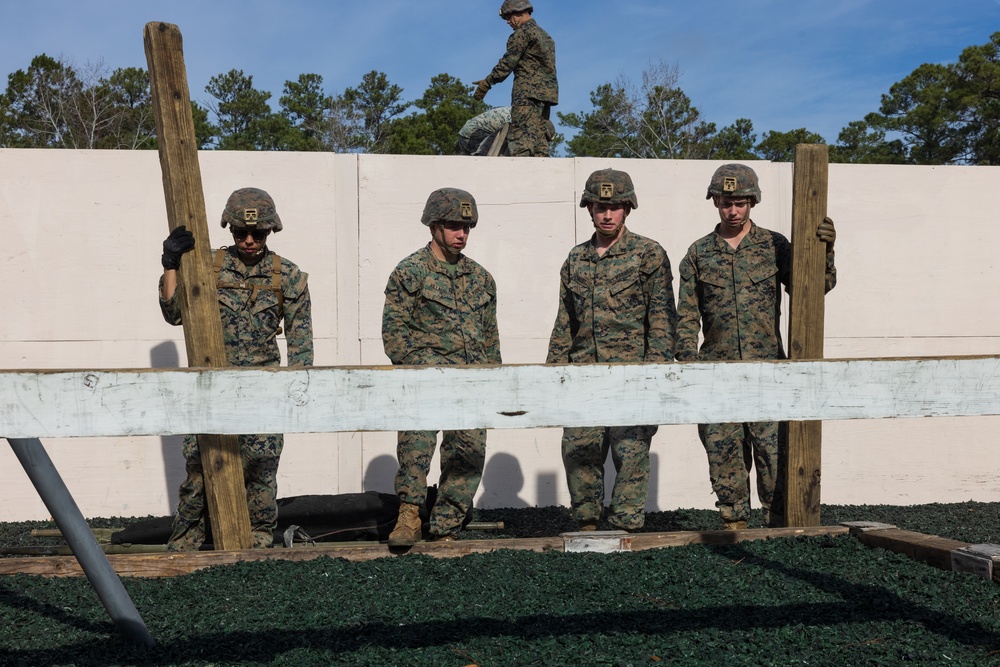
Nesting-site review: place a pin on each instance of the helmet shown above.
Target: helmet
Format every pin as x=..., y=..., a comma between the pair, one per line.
x=734, y=180
x=251, y=208
x=512, y=6
x=450, y=205
x=609, y=186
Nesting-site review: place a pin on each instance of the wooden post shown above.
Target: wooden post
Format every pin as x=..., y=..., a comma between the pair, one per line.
x=805, y=337
x=498, y=141
x=182, y=188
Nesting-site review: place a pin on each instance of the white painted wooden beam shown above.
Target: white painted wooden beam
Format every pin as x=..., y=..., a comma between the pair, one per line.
x=43, y=404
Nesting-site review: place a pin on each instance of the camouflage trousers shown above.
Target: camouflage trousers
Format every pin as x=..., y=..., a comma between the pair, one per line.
x=481, y=142
x=526, y=137
x=260, y=454
x=732, y=449
x=584, y=451
x=463, y=455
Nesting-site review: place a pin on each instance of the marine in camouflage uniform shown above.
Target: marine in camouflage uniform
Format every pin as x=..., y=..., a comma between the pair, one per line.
x=616, y=304
x=258, y=290
x=531, y=56
x=440, y=310
x=730, y=287
x=477, y=135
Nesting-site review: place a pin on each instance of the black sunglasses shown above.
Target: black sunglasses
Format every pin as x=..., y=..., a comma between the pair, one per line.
x=257, y=234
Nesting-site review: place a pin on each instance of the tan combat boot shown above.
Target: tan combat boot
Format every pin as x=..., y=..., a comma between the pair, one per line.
x=407, y=530
x=734, y=525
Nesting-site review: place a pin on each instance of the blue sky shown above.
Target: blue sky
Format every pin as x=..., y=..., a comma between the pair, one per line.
x=783, y=64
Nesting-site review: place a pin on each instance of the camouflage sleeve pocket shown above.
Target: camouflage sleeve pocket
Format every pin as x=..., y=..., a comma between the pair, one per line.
x=409, y=281
x=624, y=281
x=479, y=299
x=436, y=292
x=232, y=299
x=266, y=314
x=716, y=277
x=762, y=272
x=264, y=300
x=578, y=286
x=581, y=294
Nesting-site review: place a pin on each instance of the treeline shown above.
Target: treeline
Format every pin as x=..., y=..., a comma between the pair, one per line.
x=939, y=114
x=53, y=104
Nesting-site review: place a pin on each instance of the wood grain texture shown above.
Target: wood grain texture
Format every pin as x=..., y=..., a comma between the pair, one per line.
x=175, y=564
x=185, y=200
x=65, y=404
x=802, y=469
x=929, y=549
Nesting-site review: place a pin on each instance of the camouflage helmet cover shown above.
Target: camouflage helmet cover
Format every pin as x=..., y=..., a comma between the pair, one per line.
x=609, y=186
x=512, y=6
x=251, y=208
x=450, y=205
x=734, y=180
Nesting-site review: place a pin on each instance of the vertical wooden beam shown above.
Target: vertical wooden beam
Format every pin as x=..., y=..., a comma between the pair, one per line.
x=806, y=317
x=182, y=189
x=498, y=141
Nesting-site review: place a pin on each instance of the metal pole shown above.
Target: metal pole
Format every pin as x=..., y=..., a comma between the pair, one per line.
x=60, y=503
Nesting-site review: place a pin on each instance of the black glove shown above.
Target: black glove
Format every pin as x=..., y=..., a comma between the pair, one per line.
x=179, y=242
x=481, y=89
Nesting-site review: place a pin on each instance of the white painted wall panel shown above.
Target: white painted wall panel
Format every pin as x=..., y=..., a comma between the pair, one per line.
x=79, y=264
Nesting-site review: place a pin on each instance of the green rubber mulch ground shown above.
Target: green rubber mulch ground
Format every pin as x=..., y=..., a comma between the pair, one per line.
x=811, y=601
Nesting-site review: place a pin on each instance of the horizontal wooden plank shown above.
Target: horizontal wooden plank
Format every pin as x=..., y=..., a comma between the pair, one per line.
x=940, y=552
x=680, y=538
x=929, y=549
x=37, y=404
x=174, y=564
x=979, y=559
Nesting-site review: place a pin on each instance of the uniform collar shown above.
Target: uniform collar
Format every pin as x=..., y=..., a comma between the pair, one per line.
x=237, y=265
x=754, y=237
x=436, y=265
x=620, y=247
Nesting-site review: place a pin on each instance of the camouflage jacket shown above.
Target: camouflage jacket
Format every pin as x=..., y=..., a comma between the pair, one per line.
x=619, y=307
x=734, y=294
x=433, y=319
x=251, y=318
x=486, y=123
x=531, y=56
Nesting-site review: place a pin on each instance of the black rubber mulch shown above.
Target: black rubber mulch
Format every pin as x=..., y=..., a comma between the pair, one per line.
x=815, y=601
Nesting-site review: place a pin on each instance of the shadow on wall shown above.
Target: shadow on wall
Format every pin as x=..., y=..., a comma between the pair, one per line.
x=165, y=355
x=501, y=485
x=654, y=483
x=380, y=475
x=502, y=482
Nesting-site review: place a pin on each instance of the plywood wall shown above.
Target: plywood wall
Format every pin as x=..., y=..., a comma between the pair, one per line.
x=80, y=261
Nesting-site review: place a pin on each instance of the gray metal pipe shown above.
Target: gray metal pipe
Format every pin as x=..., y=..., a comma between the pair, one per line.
x=88, y=552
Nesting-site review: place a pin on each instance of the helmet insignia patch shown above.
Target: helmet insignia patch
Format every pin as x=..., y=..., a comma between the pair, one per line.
x=607, y=190
x=466, y=207
x=729, y=184
x=250, y=215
